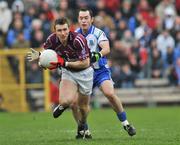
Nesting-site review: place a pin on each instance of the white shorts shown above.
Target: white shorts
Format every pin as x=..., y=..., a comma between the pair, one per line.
x=84, y=79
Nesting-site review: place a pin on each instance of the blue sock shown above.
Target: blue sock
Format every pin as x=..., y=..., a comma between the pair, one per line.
x=121, y=116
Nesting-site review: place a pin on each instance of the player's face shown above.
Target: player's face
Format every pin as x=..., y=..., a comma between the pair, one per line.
x=62, y=32
x=85, y=20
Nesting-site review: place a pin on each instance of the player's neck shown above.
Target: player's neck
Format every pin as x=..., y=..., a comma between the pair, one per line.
x=64, y=42
x=85, y=31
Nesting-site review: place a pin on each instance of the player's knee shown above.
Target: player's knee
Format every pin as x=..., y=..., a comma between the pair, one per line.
x=65, y=101
x=109, y=94
x=74, y=105
x=84, y=107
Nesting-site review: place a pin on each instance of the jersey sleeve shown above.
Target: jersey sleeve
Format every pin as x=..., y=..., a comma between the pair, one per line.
x=80, y=43
x=48, y=43
x=102, y=37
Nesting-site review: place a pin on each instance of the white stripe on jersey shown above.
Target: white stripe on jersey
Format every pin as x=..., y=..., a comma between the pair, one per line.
x=80, y=41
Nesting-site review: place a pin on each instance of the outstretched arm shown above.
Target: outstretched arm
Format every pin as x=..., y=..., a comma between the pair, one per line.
x=33, y=55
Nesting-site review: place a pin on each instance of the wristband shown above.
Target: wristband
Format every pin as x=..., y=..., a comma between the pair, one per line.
x=66, y=64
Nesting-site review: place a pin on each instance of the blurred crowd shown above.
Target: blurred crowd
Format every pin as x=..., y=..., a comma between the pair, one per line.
x=144, y=34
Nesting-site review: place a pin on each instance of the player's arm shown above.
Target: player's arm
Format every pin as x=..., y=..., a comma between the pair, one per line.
x=34, y=54
x=76, y=65
x=82, y=51
x=105, y=48
x=103, y=43
x=80, y=64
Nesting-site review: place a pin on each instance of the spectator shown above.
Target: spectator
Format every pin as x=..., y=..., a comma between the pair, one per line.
x=15, y=30
x=127, y=77
x=165, y=40
x=127, y=9
x=169, y=18
x=5, y=17
x=115, y=73
x=160, y=10
x=157, y=64
x=20, y=42
x=122, y=27
x=128, y=39
x=18, y=6
x=37, y=35
x=35, y=74
x=98, y=22
x=29, y=16
x=107, y=19
x=117, y=18
x=177, y=69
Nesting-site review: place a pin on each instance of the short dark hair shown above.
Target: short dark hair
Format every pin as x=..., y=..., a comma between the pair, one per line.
x=61, y=21
x=86, y=9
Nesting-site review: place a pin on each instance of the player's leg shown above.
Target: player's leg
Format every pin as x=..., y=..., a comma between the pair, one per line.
x=75, y=109
x=85, y=83
x=83, y=103
x=108, y=90
x=83, y=130
x=68, y=90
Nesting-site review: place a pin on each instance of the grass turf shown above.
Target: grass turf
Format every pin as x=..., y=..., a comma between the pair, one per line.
x=155, y=126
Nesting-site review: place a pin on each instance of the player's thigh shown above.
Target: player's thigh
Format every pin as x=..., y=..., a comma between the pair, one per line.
x=84, y=80
x=107, y=87
x=68, y=89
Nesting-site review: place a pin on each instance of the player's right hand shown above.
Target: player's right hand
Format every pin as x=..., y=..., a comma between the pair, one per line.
x=33, y=55
x=95, y=56
x=60, y=63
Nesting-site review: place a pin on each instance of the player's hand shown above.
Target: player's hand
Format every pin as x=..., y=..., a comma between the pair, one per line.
x=95, y=56
x=61, y=62
x=33, y=55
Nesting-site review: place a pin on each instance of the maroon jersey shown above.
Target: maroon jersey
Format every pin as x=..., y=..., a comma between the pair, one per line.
x=76, y=48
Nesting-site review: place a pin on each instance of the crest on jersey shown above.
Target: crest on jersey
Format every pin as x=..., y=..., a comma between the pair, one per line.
x=92, y=41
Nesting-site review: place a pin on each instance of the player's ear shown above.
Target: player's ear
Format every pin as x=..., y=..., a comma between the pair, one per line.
x=92, y=19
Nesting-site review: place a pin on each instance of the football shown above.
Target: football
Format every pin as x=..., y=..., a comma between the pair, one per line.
x=46, y=57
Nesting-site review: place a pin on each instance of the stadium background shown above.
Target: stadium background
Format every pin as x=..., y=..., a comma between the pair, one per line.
x=144, y=60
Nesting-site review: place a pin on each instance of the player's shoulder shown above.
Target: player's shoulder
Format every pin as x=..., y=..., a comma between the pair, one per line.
x=52, y=37
x=78, y=36
x=98, y=32
x=79, y=39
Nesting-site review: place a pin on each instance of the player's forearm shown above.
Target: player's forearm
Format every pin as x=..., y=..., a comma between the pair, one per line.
x=105, y=48
x=78, y=64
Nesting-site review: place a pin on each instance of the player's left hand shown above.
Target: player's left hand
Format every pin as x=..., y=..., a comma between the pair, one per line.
x=33, y=55
x=60, y=62
x=95, y=56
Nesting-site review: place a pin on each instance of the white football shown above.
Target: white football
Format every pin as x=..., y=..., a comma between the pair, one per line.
x=46, y=57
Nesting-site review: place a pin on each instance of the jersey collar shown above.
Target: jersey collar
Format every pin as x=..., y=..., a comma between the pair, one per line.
x=90, y=31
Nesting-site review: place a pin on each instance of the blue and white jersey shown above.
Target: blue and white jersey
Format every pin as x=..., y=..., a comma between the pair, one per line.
x=94, y=37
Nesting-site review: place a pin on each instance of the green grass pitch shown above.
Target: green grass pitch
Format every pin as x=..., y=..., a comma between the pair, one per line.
x=155, y=126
